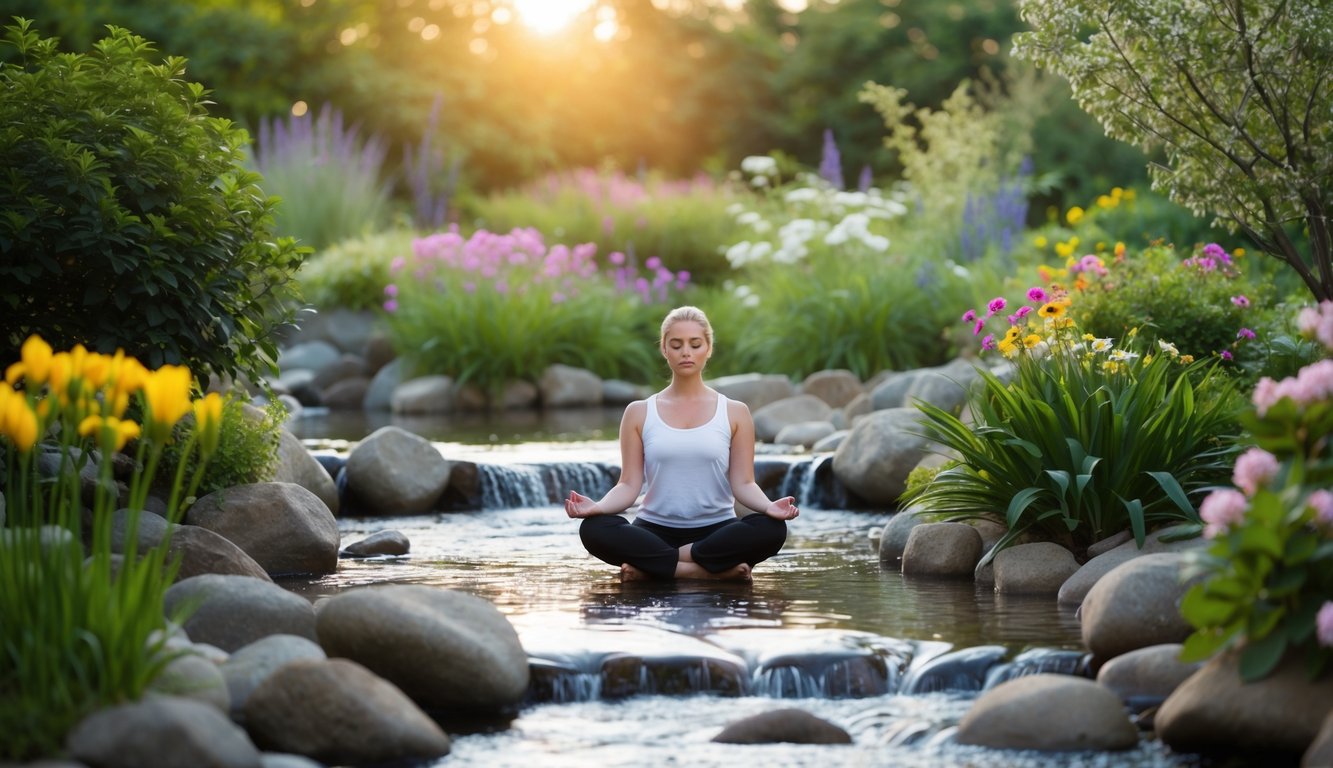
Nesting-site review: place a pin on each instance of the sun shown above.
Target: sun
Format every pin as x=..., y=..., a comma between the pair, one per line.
x=547, y=17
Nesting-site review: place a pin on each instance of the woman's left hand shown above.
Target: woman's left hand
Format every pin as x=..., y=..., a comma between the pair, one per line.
x=783, y=509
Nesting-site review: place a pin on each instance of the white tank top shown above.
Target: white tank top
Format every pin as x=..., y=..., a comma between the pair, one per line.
x=685, y=470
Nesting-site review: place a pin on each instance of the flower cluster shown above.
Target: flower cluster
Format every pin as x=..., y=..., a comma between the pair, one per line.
x=1317, y=323
x=1023, y=331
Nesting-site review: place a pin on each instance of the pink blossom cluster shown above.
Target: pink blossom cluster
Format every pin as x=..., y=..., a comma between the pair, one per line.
x=1212, y=258
x=1313, y=384
x=1321, y=503
x=1254, y=468
x=1221, y=510
x=615, y=190
x=1089, y=263
x=626, y=276
x=1317, y=323
x=1324, y=624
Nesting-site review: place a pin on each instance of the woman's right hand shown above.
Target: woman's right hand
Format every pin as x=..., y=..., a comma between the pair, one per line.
x=578, y=505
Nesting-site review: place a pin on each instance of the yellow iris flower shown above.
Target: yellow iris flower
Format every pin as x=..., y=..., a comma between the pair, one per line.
x=208, y=422
x=120, y=431
x=18, y=422
x=34, y=364
x=167, y=393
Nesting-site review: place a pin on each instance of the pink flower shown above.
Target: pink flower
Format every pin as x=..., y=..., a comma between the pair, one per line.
x=970, y=316
x=1324, y=625
x=391, y=306
x=1321, y=501
x=652, y=263
x=1037, y=295
x=1245, y=333
x=996, y=304
x=1023, y=312
x=1240, y=301
x=1221, y=510
x=1215, y=251
x=988, y=343
x=616, y=257
x=391, y=290
x=979, y=327
x=1226, y=354
x=1254, y=468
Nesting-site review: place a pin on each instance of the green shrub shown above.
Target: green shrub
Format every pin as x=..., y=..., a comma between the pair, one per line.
x=352, y=274
x=127, y=220
x=247, y=450
x=1084, y=442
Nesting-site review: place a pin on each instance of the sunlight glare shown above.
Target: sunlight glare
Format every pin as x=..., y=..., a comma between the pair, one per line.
x=547, y=17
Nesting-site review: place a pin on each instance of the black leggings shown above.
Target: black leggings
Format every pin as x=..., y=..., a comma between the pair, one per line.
x=655, y=549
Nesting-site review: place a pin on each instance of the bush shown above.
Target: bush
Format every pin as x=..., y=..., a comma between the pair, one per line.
x=1268, y=576
x=247, y=449
x=1087, y=440
x=352, y=274
x=82, y=629
x=490, y=309
x=127, y=221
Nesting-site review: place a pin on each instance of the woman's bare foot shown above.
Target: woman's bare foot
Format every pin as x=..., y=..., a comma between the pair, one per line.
x=630, y=573
x=696, y=571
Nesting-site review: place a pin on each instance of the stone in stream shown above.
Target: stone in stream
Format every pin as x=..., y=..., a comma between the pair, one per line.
x=792, y=726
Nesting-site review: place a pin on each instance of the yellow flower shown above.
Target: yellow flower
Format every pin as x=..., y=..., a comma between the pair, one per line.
x=1129, y=194
x=1186, y=359
x=1064, y=249
x=96, y=368
x=1074, y=215
x=1147, y=358
x=1119, y=249
x=1238, y=253
x=1074, y=241
x=1111, y=366
x=1012, y=334
x=34, y=363
x=1106, y=201
x=1051, y=309
x=1008, y=348
x=1117, y=193
x=120, y=431
x=1039, y=241
x=1031, y=340
x=208, y=422
x=1133, y=331
x=18, y=422
x=167, y=392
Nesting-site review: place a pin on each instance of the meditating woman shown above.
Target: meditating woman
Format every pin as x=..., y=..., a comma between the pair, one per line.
x=693, y=449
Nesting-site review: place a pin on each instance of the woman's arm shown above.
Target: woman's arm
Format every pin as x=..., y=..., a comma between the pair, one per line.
x=740, y=469
x=626, y=490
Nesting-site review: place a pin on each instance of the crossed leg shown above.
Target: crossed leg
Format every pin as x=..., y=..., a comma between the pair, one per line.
x=727, y=550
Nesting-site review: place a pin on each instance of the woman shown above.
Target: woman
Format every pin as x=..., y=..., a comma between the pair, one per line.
x=694, y=450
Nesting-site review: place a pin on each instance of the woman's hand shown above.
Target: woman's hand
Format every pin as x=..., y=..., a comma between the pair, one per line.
x=578, y=505
x=783, y=509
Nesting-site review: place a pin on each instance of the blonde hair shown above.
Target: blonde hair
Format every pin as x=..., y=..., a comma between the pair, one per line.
x=683, y=314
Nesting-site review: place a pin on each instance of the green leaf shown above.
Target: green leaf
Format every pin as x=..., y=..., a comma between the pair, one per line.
x=1020, y=503
x=1259, y=658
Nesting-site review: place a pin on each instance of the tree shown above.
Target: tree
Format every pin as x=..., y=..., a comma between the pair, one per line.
x=1236, y=93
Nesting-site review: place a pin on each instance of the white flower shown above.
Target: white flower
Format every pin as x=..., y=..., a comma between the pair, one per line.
x=1168, y=348
x=760, y=165
x=1102, y=345
x=759, y=181
x=1121, y=356
x=735, y=209
x=959, y=270
x=802, y=195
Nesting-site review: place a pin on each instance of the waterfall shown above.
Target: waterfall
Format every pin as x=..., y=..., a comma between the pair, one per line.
x=507, y=486
x=812, y=483
x=1031, y=662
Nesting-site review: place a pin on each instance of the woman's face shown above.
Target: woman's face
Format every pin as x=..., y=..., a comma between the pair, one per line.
x=685, y=347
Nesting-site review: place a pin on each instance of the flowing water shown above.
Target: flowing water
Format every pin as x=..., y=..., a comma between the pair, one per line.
x=645, y=674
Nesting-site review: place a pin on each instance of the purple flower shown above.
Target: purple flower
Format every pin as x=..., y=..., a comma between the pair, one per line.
x=653, y=263
x=616, y=257
x=1226, y=355
x=1221, y=510
x=1037, y=295
x=391, y=290
x=1324, y=624
x=970, y=316
x=1217, y=252
x=1023, y=312
x=996, y=304
x=1245, y=333
x=1241, y=301
x=976, y=329
x=391, y=306
x=1254, y=468
x=988, y=343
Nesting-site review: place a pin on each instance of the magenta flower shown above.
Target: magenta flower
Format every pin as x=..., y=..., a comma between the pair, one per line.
x=1036, y=294
x=1241, y=301
x=1245, y=333
x=1216, y=252
x=1221, y=510
x=1023, y=312
x=391, y=290
x=1254, y=468
x=1226, y=355
x=652, y=263
x=979, y=327
x=996, y=304
x=988, y=343
x=970, y=316
x=1324, y=625
x=616, y=257
x=391, y=306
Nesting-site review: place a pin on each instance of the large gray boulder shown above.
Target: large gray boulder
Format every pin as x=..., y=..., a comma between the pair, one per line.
x=1214, y=711
x=876, y=458
x=772, y=418
x=564, y=386
x=162, y=732
x=379, y=543
x=198, y=550
x=1038, y=568
x=194, y=677
x=446, y=650
x=836, y=387
x=423, y=395
x=893, y=540
x=806, y=434
x=283, y=526
x=942, y=550
x=946, y=387
x=1136, y=605
x=379, y=392
x=394, y=472
x=313, y=356
x=1050, y=713
x=756, y=390
x=252, y=664
x=297, y=465
x=234, y=611
x=340, y=713
x=1104, y=559
x=891, y=390
x=1147, y=676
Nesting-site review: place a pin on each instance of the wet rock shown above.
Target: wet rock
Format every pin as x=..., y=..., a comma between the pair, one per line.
x=1136, y=605
x=893, y=540
x=423, y=395
x=617, y=392
x=564, y=386
x=234, y=611
x=338, y=712
x=942, y=550
x=631, y=675
x=163, y=731
x=836, y=387
x=1038, y=568
x=281, y=760
x=1320, y=752
x=1109, y=543
x=347, y=366
x=313, y=356
x=378, y=352
x=804, y=433
x=756, y=390
x=1073, y=591
x=962, y=670
x=192, y=676
x=203, y=551
x=876, y=458
x=394, y=472
x=1050, y=713
x=793, y=726
x=379, y=543
x=772, y=418
x=446, y=650
x=1214, y=712
x=347, y=330
x=252, y=664
x=346, y=394
x=519, y=394
x=296, y=465
x=1145, y=677
x=283, y=526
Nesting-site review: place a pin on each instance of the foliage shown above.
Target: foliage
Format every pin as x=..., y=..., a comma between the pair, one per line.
x=1234, y=94
x=247, y=449
x=83, y=630
x=680, y=222
x=127, y=221
x=1084, y=439
x=491, y=309
x=352, y=274
x=1268, y=575
x=330, y=180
